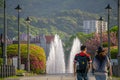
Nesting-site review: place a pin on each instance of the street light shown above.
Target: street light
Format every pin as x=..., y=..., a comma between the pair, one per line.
x=100, y=19
x=118, y=31
x=108, y=8
x=1, y=41
x=5, y=37
x=28, y=44
x=19, y=55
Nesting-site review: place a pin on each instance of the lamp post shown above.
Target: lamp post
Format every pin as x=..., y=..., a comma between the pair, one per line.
x=119, y=32
x=101, y=19
x=108, y=8
x=28, y=44
x=1, y=39
x=5, y=37
x=19, y=55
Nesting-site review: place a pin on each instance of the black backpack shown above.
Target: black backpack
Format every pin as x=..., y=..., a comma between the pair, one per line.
x=81, y=64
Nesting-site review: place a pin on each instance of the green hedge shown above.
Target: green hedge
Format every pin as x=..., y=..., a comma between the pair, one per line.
x=105, y=44
x=0, y=52
x=37, y=56
x=114, y=52
x=1, y=61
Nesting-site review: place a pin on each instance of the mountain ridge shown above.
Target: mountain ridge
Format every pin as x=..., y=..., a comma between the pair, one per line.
x=47, y=7
x=65, y=17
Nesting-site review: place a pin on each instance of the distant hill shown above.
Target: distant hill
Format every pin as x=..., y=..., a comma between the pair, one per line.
x=48, y=7
x=64, y=17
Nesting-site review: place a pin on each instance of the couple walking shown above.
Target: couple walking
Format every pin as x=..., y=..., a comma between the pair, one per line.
x=100, y=65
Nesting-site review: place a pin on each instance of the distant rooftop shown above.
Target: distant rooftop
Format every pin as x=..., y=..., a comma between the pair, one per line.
x=49, y=38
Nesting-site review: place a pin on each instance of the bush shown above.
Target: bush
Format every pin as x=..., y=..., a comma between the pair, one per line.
x=0, y=52
x=37, y=56
x=93, y=43
x=105, y=44
x=114, y=52
x=20, y=72
x=1, y=61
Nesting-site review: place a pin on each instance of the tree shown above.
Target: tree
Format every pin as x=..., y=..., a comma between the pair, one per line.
x=83, y=36
x=114, y=29
x=93, y=43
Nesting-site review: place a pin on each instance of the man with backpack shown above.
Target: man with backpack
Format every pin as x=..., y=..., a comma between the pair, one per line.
x=82, y=63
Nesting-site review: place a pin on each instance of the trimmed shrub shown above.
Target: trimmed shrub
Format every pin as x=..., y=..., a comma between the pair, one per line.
x=37, y=56
x=105, y=44
x=20, y=72
x=0, y=52
x=1, y=61
x=114, y=52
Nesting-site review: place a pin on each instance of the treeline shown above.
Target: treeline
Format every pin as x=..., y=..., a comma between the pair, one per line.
x=47, y=7
x=64, y=23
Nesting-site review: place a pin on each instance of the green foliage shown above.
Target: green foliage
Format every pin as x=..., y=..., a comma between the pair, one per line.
x=37, y=56
x=64, y=18
x=20, y=72
x=114, y=29
x=105, y=44
x=93, y=43
x=64, y=23
x=83, y=37
x=114, y=52
x=12, y=50
x=0, y=52
x=1, y=61
x=47, y=8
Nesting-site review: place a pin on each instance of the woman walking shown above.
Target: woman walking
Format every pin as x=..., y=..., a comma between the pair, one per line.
x=101, y=65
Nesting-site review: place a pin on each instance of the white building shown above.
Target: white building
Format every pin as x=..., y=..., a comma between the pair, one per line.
x=90, y=26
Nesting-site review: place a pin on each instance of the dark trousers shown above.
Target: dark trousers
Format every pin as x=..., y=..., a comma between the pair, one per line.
x=82, y=76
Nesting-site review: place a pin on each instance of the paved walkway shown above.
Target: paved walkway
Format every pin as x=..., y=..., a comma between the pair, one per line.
x=51, y=77
x=54, y=77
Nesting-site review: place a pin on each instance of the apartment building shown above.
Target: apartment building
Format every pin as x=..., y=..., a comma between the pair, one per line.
x=91, y=26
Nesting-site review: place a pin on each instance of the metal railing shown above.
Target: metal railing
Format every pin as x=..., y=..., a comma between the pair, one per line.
x=116, y=70
x=6, y=71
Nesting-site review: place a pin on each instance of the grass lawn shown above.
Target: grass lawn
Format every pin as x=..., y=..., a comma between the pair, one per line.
x=116, y=78
x=8, y=77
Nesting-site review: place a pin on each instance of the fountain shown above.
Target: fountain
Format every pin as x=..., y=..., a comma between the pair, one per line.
x=75, y=49
x=55, y=62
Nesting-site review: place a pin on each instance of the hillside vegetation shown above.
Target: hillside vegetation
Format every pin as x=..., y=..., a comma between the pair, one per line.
x=65, y=17
x=48, y=7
